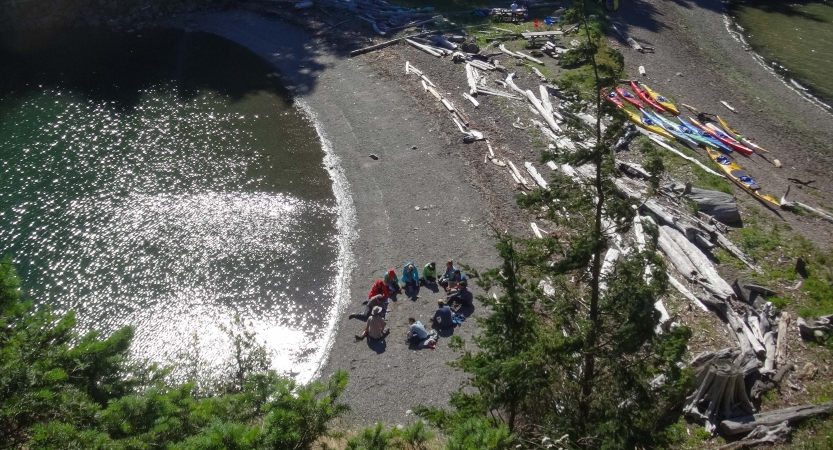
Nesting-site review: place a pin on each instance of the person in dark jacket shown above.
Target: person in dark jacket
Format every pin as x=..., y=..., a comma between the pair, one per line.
x=443, y=315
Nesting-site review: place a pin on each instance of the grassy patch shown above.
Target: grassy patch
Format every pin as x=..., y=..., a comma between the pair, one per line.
x=685, y=171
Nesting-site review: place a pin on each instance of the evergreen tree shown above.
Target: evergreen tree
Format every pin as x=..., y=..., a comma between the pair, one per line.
x=578, y=357
x=63, y=390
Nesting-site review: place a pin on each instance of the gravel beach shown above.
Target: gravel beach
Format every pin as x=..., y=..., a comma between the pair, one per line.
x=429, y=197
x=419, y=165
x=698, y=62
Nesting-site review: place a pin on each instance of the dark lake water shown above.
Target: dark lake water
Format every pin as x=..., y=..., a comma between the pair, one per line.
x=796, y=35
x=166, y=180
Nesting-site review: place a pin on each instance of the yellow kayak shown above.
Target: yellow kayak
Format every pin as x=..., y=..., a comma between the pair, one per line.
x=741, y=138
x=664, y=102
x=648, y=124
x=739, y=177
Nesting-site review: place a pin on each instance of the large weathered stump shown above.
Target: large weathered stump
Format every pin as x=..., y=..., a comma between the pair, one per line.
x=720, y=394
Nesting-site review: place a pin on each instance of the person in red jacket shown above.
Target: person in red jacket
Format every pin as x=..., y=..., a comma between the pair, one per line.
x=379, y=288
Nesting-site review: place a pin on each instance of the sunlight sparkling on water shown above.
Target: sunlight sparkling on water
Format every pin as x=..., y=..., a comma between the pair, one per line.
x=150, y=217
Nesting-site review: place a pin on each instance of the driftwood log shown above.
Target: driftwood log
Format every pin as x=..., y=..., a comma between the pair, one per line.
x=813, y=327
x=781, y=346
x=763, y=385
x=720, y=395
x=383, y=44
x=745, y=424
x=720, y=205
x=720, y=287
x=761, y=435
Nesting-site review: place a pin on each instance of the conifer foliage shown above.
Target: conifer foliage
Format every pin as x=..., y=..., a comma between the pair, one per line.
x=63, y=390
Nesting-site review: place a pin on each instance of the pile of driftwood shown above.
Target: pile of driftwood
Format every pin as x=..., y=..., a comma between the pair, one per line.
x=729, y=378
x=383, y=16
x=459, y=118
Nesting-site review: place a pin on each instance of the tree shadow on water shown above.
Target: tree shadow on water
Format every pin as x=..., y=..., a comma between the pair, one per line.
x=118, y=68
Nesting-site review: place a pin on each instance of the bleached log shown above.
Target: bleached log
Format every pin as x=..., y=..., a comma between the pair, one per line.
x=684, y=156
x=424, y=48
x=748, y=423
x=703, y=265
x=761, y=435
x=754, y=325
x=635, y=169
x=435, y=93
x=535, y=175
x=769, y=344
x=677, y=257
x=739, y=328
x=485, y=90
x=530, y=58
x=538, y=72
x=459, y=125
x=518, y=174
x=735, y=251
x=538, y=106
x=514, y=177
x=382, y=45
x=545, y=99
x=781, y=346
x=425, y=79
x=546, y=130
x=447, y=104
x=536, y=230
x=810, y=326
x=443, y=42
x=686, y=293
x=471, y=99
x=607, y=266
x=788, y=204
x=512, y=84
x=471, y=80
x=634, y=45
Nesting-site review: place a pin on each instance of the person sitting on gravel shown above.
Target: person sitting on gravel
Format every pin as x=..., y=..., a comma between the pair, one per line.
x=443, y=316
x=417, y=334
x=376, y=300
x=392, y=281
x=375, y=328
x=449, y=272
x=429, y=273
x=457, y=282
x=456, y=289
x=379, y=288
x=410, y=276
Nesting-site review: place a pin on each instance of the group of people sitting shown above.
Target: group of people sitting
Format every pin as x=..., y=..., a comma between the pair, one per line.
x=376, y=308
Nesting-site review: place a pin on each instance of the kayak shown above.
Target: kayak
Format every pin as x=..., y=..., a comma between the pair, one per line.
x=740, y=137
x=647, y=99
x=630, y=98
x=736, y=174
x=648, y=124
x=613, y=98
x=723, y=137
x=671, y=127
x=704, y=137
x=664, y=102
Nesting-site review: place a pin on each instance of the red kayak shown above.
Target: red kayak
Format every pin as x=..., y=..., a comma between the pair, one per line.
x=630, y=98
x=613, y=98
x=723, y=137
x=647, y=98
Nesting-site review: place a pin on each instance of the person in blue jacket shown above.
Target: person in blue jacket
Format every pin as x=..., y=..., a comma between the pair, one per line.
x=410, y=276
